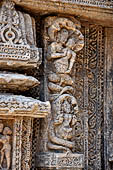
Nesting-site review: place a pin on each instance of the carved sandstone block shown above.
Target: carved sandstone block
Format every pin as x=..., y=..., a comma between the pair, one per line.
x=16, y=82
x=17, y=39
x=16, y=105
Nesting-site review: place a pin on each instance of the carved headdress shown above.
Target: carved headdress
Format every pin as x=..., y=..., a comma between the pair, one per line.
x=74, y=34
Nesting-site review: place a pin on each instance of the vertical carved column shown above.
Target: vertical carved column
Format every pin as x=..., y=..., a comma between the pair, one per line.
x=17, y=144
x=62, y=39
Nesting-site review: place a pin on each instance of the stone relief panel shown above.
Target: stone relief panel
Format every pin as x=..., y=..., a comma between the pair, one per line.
x=14, y=26
x=86, y=82
x=15, y=44
x=65, y=40
x=62, y=39
x=61, y=130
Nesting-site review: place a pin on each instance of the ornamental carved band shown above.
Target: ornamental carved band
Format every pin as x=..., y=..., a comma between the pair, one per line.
x=62, y=39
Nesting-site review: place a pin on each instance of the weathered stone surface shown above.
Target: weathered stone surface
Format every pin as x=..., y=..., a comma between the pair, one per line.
x=5, y=138
x=108, y=104
x=63, y=39
x=84, y=9
x=60, y=160
x=18, y=57
x=17, y=49
x=16, y=82
x=16, y=105
x=76, y=77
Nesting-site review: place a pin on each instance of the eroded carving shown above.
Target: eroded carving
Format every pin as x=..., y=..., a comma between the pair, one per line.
x=15, y=44
x=16, y=82
x=63, y=40
x=67, y=40
x=61, y=129
x=5, y=136
x=18, y=51
x=17, y=105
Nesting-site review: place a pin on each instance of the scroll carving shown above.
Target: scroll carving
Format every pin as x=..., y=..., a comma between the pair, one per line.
x=15, y=44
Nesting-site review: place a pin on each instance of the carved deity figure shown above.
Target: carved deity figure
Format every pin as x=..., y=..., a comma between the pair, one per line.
x=62, y=126
x=6, y=149
x=62, y=52
x=64, y=40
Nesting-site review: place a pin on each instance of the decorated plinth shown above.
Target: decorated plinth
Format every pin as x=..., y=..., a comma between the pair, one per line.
x=60, y=160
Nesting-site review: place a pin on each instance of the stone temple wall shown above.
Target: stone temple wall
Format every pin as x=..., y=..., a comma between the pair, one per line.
x=56, y=85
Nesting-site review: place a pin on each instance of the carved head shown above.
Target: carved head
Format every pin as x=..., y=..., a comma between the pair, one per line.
x=66, y=108
x=71, y=43
x=63, y=35
x=7, y=131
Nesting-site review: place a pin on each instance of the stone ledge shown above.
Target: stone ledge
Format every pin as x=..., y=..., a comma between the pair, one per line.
x=87, y=12
x=16, y=82
x=14, y=56
x=13, y=105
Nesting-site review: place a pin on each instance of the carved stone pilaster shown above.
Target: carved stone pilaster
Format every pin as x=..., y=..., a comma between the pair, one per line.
x=62, y=39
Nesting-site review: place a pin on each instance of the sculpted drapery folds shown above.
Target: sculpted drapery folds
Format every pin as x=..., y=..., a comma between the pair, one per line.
x=63, y=40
